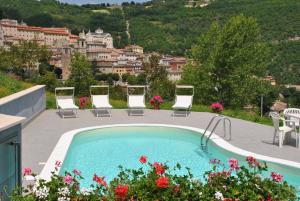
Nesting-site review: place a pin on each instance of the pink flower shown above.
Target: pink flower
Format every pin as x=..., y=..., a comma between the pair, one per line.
x=156, y=100
x=82, y=101
x=57, y=164
x=252, y=162
x=76, y=172
x=143, y=159
x=276, y=177
x=233, y=163
x=27, y=171
x=68, y=179
x=214, y=161
x=216, y=107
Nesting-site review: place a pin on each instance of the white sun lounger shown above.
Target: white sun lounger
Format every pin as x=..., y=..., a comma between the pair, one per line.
x=183, y=102
x=101, y=102
x=65, y=102
x=136, y=102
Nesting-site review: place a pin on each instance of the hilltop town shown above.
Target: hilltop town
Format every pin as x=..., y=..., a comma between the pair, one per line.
x=97, y=46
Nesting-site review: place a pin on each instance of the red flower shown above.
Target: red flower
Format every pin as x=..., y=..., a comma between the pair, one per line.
x=82, y=101
x=121, y=191
x=162, y=182
x=99, y=180
x=276, y=177
x=159, y=168
x=27, y=171
x=252, y=162
x=143, y=159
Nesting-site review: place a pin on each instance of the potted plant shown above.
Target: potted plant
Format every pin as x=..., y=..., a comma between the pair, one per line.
x=155, y=101
x=82, y=102
x=216, y=107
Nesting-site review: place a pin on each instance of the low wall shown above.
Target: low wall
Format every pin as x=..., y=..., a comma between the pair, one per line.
x=27, y=103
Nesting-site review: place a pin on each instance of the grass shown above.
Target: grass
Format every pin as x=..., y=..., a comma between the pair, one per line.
x=121, y=104
x=10, y=85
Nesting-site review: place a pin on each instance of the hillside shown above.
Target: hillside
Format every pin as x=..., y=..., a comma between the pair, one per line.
x=168, y=26
x=10, y=85
x=53, y=13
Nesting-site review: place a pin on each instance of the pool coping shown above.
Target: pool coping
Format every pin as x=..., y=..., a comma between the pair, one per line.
x=61, y=148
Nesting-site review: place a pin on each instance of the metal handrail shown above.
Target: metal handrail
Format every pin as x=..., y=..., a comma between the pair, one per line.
x=221, y=118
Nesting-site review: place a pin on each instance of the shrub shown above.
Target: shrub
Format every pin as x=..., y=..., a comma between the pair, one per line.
x=155, y=182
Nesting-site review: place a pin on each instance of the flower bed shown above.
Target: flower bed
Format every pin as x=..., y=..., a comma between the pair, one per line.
x=155, y=182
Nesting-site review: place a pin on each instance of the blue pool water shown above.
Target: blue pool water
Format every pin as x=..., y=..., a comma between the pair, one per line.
x=101, y=151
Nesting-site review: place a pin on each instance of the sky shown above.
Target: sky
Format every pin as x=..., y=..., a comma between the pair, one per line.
x=79, y=2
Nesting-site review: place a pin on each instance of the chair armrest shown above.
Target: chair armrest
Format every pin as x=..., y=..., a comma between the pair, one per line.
x=291, y=121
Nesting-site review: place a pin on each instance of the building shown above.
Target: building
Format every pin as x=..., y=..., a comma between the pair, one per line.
x=96, y=46
x=174, y=66
x=97, y=39
x=12, y=32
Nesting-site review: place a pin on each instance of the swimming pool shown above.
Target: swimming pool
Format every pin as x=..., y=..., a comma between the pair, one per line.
x=102, y=149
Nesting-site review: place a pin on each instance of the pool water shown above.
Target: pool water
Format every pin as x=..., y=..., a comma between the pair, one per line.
x=101, y=151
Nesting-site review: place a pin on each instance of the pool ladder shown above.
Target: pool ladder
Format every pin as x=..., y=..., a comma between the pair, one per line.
x=217, y=119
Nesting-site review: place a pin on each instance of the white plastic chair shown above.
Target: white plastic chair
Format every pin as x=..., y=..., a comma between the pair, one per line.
x=100, y=102
x=293, y=111
x=136, y=102
x=282, y=130
x=65, y=102
x=183, y=102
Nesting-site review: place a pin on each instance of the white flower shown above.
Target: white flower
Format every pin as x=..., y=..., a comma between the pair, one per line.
x=200, y=194
x=63, y=199
x=219, y=196
x=86, y=191
x=41, y=192
x=63, y=191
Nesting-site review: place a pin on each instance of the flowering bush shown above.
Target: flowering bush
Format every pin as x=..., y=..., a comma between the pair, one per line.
x=155, y=101
x=82, y=102
x=216, y=107
x=155, y=182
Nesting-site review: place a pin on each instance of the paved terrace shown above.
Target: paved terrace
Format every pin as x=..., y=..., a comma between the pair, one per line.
x=41, y=135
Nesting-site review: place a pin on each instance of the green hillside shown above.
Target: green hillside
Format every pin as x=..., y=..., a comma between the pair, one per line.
x=168, y=26
x=10, y=85
x=53, y=13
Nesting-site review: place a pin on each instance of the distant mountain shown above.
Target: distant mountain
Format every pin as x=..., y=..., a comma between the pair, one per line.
x=81, y=2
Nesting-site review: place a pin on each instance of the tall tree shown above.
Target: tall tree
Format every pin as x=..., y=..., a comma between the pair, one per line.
x=81, y=75
x=229, y=62
x=157, y=78
x=28, y=54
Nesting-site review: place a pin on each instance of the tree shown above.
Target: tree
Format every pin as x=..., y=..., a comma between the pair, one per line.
x=157, y=78
x=50, y=80
x=27, y=55
x=125, y=77
x=81, y=75
x=6, y=60
x=229, y=63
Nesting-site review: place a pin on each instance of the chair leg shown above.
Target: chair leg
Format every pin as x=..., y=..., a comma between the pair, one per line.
x=281, y=138
x=274, y=136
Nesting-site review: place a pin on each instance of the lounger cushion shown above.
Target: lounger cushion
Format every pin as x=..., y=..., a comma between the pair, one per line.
x=183, y=102
x=136, y=101
x=101, y=101
x=66, y=103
